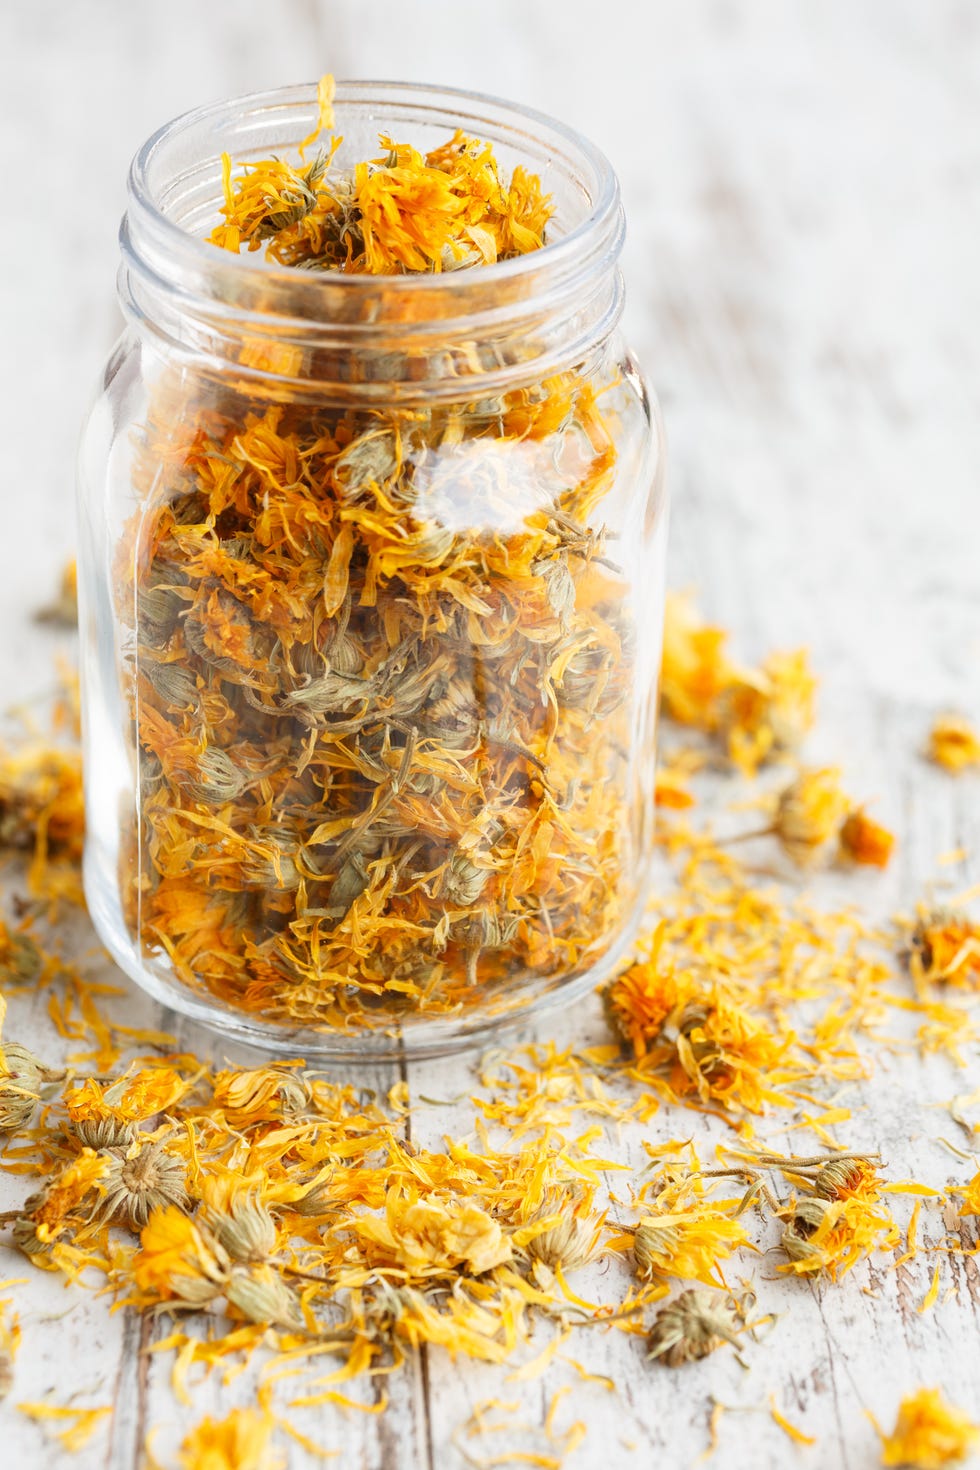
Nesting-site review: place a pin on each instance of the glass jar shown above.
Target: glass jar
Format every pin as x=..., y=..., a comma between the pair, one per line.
x=371, y=587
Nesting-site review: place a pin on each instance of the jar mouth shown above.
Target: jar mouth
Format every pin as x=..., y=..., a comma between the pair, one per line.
x=179, y=166
x=413, y=335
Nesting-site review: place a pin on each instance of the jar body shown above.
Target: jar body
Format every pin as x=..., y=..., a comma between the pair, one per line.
x=369, y=691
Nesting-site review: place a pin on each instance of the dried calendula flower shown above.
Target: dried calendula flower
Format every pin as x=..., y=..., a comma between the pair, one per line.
x=692, y=1326
x=240, y=1441
x=639, y=1002
x=63, y=611
x=54, y=1211
x=179, y=1263
x=945, y=949
x=809, y=813
x=768, y=711
x=694, y=670
x=830, y=1234
x=261, y=1295
x=22, y=1077
x=806, y=1217
x=730, y=1056
x=929, y=1433
x=142, y=1177
x=317, y=1198
x=758, y=712
x=242, y=1223
x=971, y=1197
x=264, y=1094
x=840, y=1177
x=863, y=840
x=434, y=1236
x=21, y=957
x=569, y=1238
x=954, y=744
x=698, y=1034
x=689, y=1244
x=41, y=805
x=104, y=1116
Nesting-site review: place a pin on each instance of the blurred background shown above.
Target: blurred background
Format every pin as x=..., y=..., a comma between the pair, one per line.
x=802, y=184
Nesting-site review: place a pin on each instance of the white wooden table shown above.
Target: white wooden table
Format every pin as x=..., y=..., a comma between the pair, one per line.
x=803, y=191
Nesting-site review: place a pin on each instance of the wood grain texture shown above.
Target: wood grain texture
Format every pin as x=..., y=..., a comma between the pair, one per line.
x=803, y=191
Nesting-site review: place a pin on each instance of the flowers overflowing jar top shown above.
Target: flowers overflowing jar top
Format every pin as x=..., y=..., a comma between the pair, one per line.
x=372, y=333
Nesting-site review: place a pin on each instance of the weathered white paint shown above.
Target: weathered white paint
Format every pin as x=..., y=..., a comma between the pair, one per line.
x=804, y=204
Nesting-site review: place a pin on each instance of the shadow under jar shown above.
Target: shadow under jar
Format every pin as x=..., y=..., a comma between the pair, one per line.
x=371, y=588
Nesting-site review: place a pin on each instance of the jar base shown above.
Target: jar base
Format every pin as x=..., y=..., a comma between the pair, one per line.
x=415, y=1040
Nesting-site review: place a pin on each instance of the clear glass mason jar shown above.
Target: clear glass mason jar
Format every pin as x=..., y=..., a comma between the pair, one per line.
x=371, y=591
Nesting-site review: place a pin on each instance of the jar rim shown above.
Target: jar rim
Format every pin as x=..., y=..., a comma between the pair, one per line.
x=598, y=233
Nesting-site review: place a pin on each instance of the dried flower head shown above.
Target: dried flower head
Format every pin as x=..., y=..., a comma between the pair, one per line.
x=570, y=1237
x=22, y=1077
x=831, y=1231
x=245, y=1227
x=62, y=612
x=21, y=958
x=838, y=1178
x=432, y=1236
x=264, y=1094
x=261, y=1295
x=700, y=1035
x=729, y=1056
x=692, y=1326
x=100, y=1133
x=42, y=810
x=141, y=1178
x=954, y=744
x=945, y=949
x=929, y=1433
x=768, y=711
x=241, y=1441
x=689, y=1244
x=807, y=1216
x=640, y=1000
x=694, y=671
x=179, y=1262
x=50, y=1213
x=317, y=1198
x=809, y=813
